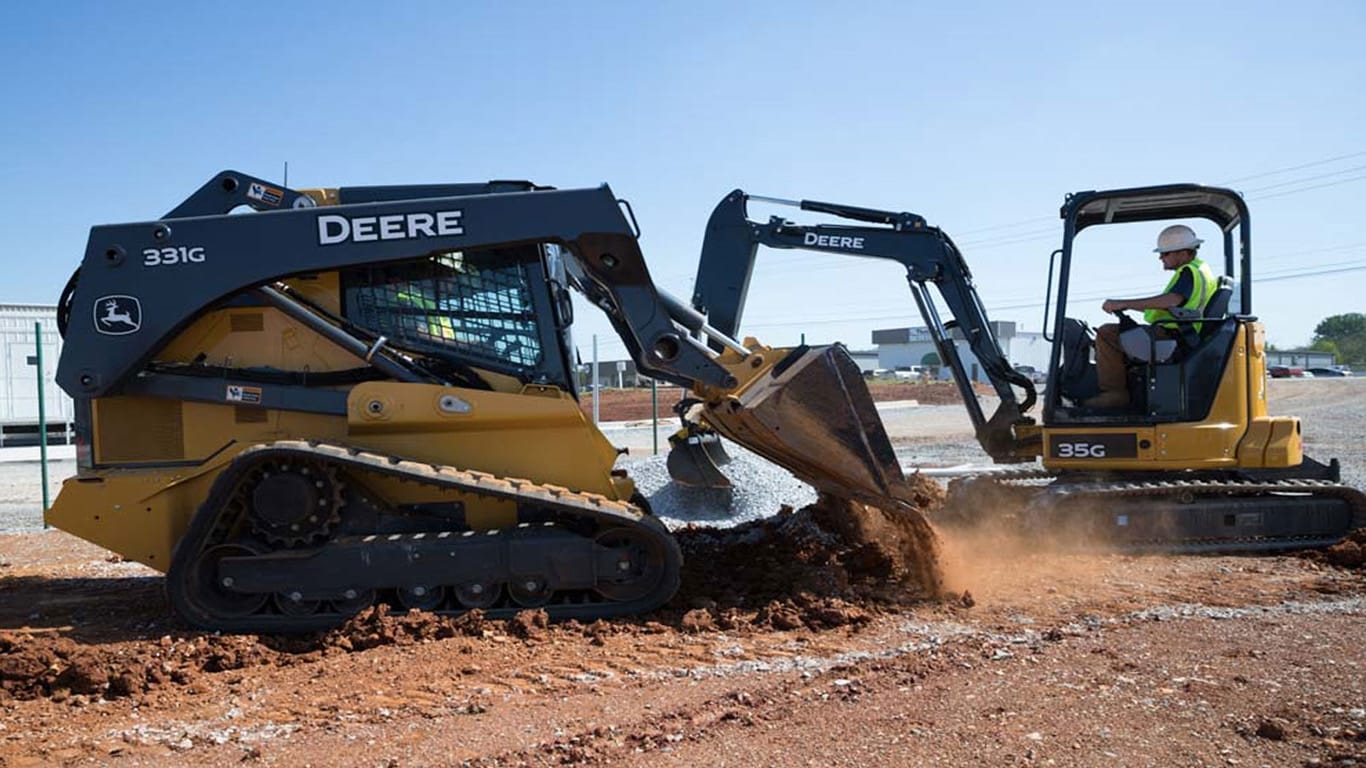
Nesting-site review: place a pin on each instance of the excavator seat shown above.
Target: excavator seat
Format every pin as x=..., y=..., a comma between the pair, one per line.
x=1176, y=379
x=1141, y=345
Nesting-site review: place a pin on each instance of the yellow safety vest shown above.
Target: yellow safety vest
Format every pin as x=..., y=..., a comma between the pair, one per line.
x=438, y=325
x=1203, y=285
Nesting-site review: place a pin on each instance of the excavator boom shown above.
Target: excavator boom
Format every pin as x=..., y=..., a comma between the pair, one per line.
x=929, y=256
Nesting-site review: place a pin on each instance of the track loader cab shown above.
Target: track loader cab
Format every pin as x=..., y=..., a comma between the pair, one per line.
x=1196, y=400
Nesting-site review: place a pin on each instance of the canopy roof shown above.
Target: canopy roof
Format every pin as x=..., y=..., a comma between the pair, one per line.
x=1169, y=201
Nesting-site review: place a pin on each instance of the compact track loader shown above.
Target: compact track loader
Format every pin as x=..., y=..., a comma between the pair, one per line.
x=1194, y=463
x=367, y=393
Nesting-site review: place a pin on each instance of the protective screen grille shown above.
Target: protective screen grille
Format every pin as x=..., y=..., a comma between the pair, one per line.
x=137, y=429
x=477, y=305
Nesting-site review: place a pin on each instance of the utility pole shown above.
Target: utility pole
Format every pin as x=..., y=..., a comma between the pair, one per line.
x=595, y=378
x=42, y=414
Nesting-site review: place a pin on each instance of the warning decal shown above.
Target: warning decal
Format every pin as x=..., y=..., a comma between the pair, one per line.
x=239, y=394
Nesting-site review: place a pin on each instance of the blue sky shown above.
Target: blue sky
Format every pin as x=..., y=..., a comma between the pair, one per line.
x=979, y=117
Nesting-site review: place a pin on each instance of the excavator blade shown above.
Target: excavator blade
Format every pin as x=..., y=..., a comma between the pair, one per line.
x=695, y=458
x=812, y=414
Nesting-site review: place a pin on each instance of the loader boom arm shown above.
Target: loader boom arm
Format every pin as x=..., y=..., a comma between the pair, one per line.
x=140, y=284
x=928, y=255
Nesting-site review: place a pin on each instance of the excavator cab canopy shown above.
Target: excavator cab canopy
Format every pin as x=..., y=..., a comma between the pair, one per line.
x=1080, y=211
x=1224, y=207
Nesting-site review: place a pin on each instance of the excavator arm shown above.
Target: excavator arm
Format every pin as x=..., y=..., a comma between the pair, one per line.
x=929, y=257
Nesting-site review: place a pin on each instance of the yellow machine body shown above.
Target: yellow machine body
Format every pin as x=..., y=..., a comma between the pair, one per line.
x=1237, y=432
x=157, y=457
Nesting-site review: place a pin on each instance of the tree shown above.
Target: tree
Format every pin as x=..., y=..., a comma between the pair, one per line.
x=1347, y=332
x=1326, y=345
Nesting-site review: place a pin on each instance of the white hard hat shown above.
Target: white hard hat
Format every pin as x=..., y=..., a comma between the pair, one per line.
x=1177, y=237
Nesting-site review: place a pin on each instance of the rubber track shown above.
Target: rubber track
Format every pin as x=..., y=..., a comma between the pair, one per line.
x=213, y=521
x=1027, y=481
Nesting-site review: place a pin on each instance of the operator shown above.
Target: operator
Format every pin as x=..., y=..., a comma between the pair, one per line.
x=1190, y=288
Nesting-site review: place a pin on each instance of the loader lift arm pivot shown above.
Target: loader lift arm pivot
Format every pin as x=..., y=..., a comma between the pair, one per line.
x=929, y=256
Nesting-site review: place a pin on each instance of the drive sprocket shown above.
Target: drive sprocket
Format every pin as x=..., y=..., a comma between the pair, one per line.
x=293, y=502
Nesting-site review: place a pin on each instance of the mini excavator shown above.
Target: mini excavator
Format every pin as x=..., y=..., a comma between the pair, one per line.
x=366, y=394
x=1195, y=463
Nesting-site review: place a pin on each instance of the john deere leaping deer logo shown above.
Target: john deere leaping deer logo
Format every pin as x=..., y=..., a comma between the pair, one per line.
x=118, y=315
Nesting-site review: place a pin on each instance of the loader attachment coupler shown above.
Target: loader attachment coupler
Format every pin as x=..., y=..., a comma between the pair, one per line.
x=813, y=415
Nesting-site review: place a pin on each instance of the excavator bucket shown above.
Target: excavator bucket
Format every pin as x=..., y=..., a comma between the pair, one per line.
x=696, y=457
x=812, y=413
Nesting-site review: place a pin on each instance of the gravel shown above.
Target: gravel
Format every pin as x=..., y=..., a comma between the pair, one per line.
x=758, y=489
x=21, y=494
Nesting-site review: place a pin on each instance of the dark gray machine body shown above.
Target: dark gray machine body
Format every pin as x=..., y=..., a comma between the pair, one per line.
x=928, y=255
x=140, y=284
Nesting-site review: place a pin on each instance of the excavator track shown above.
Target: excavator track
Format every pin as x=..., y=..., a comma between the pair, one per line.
x=289, y=540
x=1175, y=516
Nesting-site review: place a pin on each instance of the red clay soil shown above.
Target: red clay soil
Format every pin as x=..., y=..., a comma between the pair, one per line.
x=808, y=569
x=792, y=641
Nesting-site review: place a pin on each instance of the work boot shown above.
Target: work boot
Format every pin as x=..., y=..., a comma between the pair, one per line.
x=1108, y=399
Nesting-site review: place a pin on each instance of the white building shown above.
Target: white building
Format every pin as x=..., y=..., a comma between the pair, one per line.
x=865, y=359
x=906, y=347
x=19, y=378
x=1301, y=358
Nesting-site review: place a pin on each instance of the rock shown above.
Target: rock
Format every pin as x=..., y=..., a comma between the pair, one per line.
x=698, y=620
x=1272, y=728
x=529, y=624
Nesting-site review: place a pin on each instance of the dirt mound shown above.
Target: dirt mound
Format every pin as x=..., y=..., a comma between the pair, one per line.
x=378, y=625
x=42, y=666
x=1348, y=553
x=826, y=565
x=39, y=666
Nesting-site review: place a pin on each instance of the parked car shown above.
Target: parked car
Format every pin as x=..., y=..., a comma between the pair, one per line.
x=1327, y=372
x=1285, y=372
x=1035, y=375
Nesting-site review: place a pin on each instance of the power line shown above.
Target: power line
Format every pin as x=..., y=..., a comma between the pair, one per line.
x=1293, y=182
x=1306, y=189
x=1306, y=274
x=1050, y=231
x=1007, y=226
x=1278, y=171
